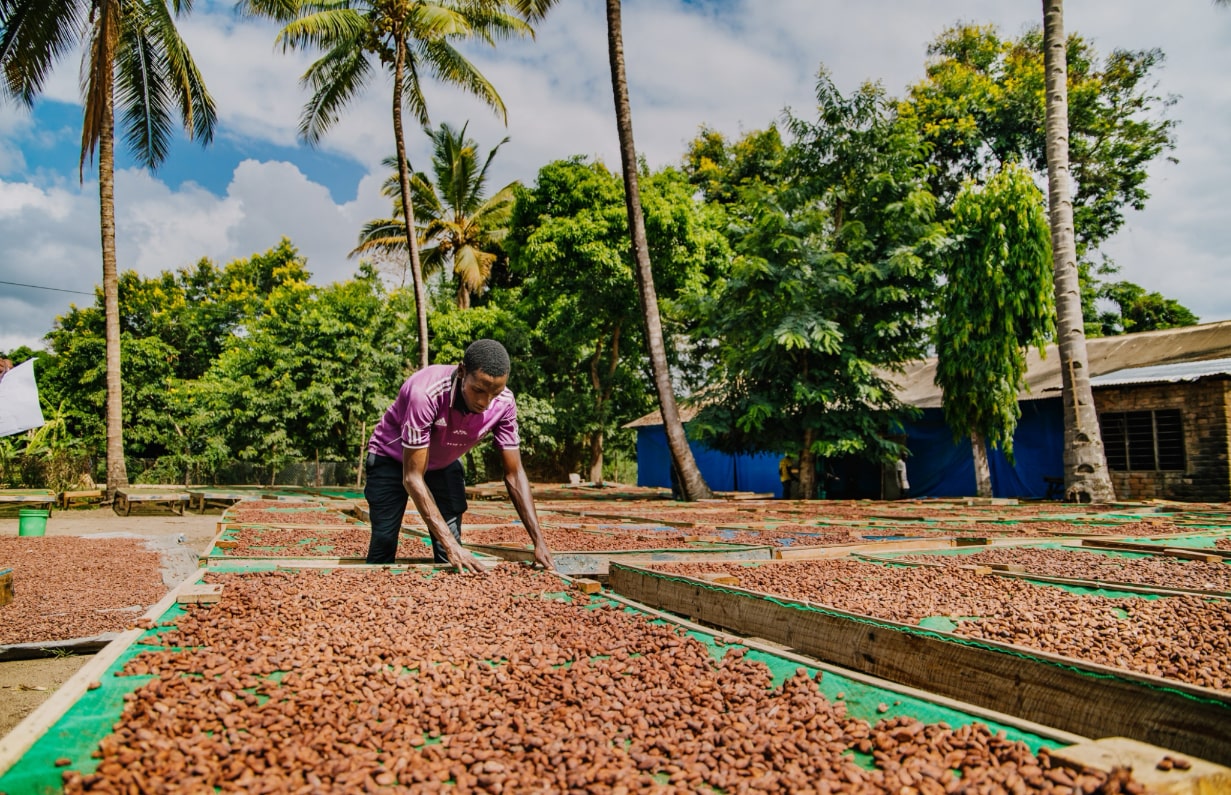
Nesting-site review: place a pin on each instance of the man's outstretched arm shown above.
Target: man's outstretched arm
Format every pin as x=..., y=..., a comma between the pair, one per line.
x=518, y=485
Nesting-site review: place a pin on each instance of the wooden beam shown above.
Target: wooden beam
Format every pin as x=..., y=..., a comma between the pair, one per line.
x=1076, y=696
x=1192, y=777
x=1154, y=549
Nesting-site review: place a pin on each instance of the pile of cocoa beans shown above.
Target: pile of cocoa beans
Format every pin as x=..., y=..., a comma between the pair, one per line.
x=1186, y=638
x=380, y=682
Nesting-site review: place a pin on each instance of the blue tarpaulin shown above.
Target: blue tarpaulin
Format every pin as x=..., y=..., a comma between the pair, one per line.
x=940, y=467
x=722, y=471
x=937, y=467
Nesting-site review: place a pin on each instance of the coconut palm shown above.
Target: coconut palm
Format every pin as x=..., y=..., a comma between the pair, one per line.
x=691, y=480
x=135, y=59
x=461, y=227
x=1086, y=478
x=409, y=39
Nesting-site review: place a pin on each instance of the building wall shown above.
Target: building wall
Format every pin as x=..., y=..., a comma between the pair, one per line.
x=1205, y=406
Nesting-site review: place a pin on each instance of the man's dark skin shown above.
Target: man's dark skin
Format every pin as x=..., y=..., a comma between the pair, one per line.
x=477, y=390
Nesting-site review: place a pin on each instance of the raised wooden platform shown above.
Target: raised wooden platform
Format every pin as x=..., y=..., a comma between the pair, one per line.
x=87, y=496
x=28, y=498
x=125, y=499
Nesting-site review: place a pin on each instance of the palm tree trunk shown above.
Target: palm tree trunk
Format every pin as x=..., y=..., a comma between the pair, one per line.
x=694, y=485
x=1086, y=478
x=601, y=396
x=807, y=467
x=983, y=469
x=117, y=470
x=408, y=209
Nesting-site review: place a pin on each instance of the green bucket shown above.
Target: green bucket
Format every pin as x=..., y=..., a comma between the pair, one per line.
x=32, y=521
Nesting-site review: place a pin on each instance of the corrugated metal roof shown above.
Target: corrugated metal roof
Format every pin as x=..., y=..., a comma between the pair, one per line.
x=1164, y=373
x=1190, y=344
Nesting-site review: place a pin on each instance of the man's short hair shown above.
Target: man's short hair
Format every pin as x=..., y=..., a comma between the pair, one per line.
x=487, y=356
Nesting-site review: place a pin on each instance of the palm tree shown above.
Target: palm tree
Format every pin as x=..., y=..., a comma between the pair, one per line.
x=1086, y=478
x=134, y=56
x=693, y=484
x=461, y=228
x=408, y=38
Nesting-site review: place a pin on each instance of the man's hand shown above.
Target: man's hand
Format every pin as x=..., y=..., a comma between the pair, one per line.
x=462, y=560
x=542, y=558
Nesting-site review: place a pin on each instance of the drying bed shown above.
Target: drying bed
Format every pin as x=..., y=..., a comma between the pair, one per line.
x=1109, y=566
x=422, y=681
x=1185, y=638
x=70, y=587
x=258, y=541
x=285, y=514
x=1096, y=663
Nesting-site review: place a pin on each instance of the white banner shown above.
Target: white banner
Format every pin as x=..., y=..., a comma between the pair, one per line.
x=19, y=409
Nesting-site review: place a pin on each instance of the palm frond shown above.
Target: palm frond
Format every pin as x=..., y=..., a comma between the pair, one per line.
x=450, y=66
x=412, y=93
x=327, y=29
x=277, y=10
x=334, y=79
x=196, y=106
x=531, y=10
x=34, y=35
x=141, y=92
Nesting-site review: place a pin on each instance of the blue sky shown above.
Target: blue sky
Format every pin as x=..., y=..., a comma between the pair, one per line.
x=733, y=65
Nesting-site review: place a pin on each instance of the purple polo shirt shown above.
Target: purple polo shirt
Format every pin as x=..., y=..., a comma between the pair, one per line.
x=423, y=415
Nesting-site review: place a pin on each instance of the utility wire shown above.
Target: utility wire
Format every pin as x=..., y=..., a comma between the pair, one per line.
x=40, y=287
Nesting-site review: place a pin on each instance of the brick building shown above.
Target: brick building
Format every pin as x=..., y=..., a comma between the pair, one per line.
x=1165, y=430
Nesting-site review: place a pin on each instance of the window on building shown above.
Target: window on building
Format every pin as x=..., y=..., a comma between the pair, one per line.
x=1138, y=441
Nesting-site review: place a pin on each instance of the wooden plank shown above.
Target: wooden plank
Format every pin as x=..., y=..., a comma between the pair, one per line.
x=199, y=594
x=1192, y=777
x=842, y=550
x=596, y=564
x=6, y=586
x=1154, y=549
x=587, y=586
x=1076, y=696
x=1131, y=587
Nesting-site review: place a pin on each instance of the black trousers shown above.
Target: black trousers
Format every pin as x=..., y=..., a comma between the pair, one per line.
x=387, y=500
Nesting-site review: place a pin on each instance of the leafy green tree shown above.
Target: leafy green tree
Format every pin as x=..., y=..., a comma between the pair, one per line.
x=309, y=377
x=996, y=303
x=409, y=39
x=133, y=57
x=568, y=244
x=461, y=226
x=724, y=171
x=1138, y=310
x=1086, y=477
x=982, y=105
x=828, y=293
x=691, y=481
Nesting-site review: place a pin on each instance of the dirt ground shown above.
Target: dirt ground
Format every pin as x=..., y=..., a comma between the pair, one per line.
x=24, y=684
